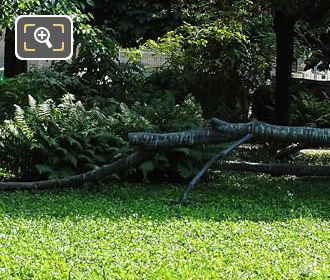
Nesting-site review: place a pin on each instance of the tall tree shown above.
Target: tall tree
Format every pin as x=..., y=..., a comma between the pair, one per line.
x=287, y=13
x=13, y=65
x=283, y=26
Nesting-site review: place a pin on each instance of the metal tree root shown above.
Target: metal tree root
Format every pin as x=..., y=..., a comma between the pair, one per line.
x=267, y=132
x=223, y=153
x=77, y=180
x=222, y=132
x=178, y=139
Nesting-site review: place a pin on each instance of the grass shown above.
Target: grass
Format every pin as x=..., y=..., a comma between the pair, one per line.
x=236, y=227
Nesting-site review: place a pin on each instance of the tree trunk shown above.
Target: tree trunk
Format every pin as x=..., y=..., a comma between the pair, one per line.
x=267, y=132
x=283, y=25
x=13, y=66
x=198, y=136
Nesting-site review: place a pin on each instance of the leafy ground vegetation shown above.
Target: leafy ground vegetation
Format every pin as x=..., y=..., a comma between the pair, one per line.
x=75, y=117
x=236, y=227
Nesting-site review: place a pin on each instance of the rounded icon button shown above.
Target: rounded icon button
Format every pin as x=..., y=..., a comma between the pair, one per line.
x=42, y=35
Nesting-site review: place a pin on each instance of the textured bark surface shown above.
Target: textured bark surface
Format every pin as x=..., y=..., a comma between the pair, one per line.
x=277, y=169
x=176, y=139
x=264, y=131
x=77, y=180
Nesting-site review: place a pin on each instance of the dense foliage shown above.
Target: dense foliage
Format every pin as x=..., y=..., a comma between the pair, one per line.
x=220, y=56
x=58, y=137
x=224, y=55
x=57, y=140
x=42, y=84
x=311, y=109
x=133, y=22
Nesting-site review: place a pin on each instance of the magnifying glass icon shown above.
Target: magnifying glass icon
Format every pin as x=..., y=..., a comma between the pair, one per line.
x=42, y=35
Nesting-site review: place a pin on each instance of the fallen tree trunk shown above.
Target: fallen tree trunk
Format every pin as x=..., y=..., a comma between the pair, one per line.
x=277, y=169
x=264, y=131
x=222, y=132
x=77, y=180
x=178, y=139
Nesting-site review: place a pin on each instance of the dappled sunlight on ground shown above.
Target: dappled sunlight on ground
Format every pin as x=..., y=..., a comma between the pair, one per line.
x=236, y=226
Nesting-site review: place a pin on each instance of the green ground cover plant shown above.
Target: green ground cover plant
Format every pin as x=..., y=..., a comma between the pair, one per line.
x=236, y=227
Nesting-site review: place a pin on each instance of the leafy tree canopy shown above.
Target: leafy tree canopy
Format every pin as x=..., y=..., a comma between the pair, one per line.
x=134, y=21
x=9, y=10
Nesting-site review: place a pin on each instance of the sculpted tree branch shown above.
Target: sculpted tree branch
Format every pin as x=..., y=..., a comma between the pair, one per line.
x=178, y=139
x=221, y=132
x=77, y=180
x=290, y=150
x=199, y=175
x=264, y=131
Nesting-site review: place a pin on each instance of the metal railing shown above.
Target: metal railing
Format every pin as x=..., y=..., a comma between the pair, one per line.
x=312, y=76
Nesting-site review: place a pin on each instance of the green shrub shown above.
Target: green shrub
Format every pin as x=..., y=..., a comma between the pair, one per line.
x=310, y=109
x=51, y=136
x=104, y=78
x=99, y=71
x=166, y=115
x=55, y=140
x=224, y=51
x=46, y=140
x=42, y=84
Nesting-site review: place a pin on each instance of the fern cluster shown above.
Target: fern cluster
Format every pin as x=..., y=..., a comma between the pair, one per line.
x=45, y=140
x=42, y=84
x=312, y=110
x=52, y=139
x=52, y=135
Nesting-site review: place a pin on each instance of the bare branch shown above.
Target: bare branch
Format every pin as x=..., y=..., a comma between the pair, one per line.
x=199, y=175
x=178, y=139
x=277, y=169
x=264, y=131
x=77, y=180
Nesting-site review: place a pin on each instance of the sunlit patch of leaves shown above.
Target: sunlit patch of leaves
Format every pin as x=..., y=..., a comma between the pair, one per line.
x=236, y=227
